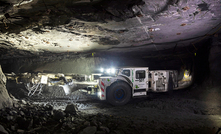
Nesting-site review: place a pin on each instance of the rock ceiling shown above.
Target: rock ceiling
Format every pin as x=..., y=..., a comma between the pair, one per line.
x=146, y=27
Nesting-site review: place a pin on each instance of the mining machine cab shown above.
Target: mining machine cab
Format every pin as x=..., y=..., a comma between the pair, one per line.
x=135, y=82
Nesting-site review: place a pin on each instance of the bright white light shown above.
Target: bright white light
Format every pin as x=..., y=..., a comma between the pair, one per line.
x=102, y=70
x=99, y=94
x=90, y=77
x=108, y=70
x=112, y=70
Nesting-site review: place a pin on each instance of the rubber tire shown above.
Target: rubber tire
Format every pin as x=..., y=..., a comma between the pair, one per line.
x=119, y=87
x=170, y=85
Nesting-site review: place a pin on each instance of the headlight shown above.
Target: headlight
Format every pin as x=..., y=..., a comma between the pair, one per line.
x=113, y=70
x=186, y=74
x=108, y=70
x=99, y=93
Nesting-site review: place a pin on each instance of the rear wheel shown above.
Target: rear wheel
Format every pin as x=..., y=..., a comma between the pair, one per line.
x=119, y=93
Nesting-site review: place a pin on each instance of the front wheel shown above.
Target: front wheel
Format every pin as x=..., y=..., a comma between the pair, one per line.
x=119, y=93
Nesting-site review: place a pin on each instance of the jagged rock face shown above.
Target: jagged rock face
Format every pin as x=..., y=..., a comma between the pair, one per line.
x=137, y=27
x=5, y=100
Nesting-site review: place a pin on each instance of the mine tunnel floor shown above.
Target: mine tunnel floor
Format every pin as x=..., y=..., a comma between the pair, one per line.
x=192, y=110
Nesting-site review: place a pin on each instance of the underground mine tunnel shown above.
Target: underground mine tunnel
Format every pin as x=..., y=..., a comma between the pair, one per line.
x=110, y=66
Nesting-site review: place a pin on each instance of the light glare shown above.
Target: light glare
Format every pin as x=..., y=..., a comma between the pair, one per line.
x=112, y=70
x=99, y=93
x=108, y=70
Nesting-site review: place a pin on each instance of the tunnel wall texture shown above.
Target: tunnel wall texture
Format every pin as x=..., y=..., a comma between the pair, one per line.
x=5, y=100
x=82, y=65
x=207, y=65
x=215, y=60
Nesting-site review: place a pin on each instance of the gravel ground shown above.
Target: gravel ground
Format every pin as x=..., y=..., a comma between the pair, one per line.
x=189, y=111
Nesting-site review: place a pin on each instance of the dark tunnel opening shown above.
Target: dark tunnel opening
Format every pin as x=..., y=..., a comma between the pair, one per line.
x=201, y=63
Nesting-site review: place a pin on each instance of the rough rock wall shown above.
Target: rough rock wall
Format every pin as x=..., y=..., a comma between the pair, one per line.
x=214, y=59
x=5, y=100
x=82, y=65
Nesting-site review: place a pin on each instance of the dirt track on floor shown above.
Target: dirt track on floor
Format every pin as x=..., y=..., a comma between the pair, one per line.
x=193, y=110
